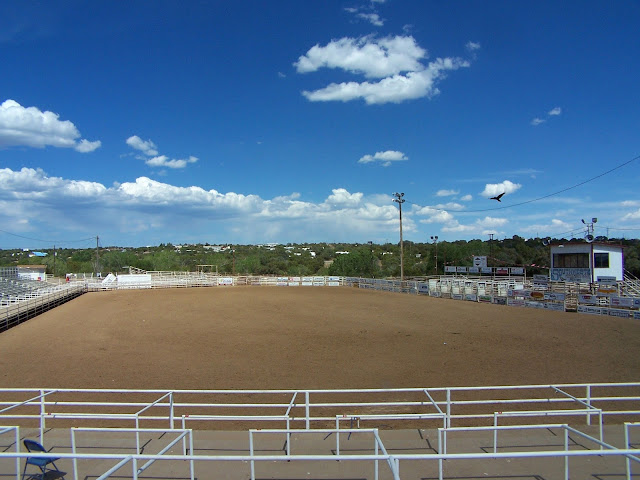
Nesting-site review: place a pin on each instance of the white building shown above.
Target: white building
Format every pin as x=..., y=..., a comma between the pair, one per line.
x=585, y=262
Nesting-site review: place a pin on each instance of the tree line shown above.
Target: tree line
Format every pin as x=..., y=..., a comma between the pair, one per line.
x=366, y=260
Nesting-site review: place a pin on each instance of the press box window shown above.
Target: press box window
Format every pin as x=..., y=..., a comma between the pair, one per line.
x=570, y=260
x=601, y=260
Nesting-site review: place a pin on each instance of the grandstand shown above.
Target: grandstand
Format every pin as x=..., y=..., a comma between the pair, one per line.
x=22, y=298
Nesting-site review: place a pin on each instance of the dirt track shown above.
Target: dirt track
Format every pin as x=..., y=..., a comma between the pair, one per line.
x=309, y=337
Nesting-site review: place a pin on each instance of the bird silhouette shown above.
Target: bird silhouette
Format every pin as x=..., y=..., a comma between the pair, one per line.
x=498, y=197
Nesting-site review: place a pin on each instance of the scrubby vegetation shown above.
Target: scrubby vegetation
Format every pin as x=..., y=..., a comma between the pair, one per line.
x=369, y=260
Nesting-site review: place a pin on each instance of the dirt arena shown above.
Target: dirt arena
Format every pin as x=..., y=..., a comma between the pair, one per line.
x=309, y=337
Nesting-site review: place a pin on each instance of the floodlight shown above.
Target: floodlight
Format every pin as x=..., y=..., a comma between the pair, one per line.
x=594, y=220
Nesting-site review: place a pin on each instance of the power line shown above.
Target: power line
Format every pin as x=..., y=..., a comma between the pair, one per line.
x=544, y=196
x=46, y=241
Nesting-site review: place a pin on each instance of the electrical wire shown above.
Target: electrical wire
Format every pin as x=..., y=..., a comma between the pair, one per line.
x=46, y=241
x=539, y=198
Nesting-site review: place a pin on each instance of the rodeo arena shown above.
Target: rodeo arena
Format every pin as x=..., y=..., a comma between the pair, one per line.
x=373, y=431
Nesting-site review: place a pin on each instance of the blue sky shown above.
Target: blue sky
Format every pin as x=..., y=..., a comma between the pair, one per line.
x=296, y=121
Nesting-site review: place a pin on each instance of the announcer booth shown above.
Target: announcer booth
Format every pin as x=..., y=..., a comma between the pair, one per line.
x=586, y=262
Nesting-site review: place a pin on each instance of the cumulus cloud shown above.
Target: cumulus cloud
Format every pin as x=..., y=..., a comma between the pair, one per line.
x=341, y=196
x=537, y=121
x=397, y=61
x=493, y=189
x=435, y=215
x=632, y=216
x=145, y=146
x=373, y=18
x=375, y=58
x=555, y=111
x=149, y=149
x=164, y=161
x=449, y=206
x=394, y=89
x=386, y=157
x=466, y=198
x=31, y=127
x=446, y=193
x=42, y=202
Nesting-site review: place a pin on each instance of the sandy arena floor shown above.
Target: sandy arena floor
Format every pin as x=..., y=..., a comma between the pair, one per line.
x=309, y=337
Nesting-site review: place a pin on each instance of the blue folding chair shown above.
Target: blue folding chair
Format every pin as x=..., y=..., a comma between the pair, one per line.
x=46, y=472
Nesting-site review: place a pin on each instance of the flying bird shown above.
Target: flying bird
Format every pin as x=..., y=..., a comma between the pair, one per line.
x=498, y=197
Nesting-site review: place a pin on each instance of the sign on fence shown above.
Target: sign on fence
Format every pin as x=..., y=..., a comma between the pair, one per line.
x=591, y=310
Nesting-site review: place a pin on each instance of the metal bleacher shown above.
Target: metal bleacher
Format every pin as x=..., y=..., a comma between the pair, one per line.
x=22, y=298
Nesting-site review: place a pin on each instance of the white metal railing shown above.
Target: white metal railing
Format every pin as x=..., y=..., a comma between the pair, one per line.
x=445, y=406
x=378, y=453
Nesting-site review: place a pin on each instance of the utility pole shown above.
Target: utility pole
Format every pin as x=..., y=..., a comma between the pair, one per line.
x=399, y=200
x=54, y=260
x=435, y=241
x=97, y=255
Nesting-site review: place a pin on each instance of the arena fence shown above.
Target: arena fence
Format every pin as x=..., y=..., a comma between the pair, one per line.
x=515, y=291
x=95, y=417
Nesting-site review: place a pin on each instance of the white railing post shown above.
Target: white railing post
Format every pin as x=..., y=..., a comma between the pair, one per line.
x=73, y=450
x=626, y=445
x=306, y=408
x=566, y=457
x=589, y=403
x=42, y=415
x=252, y=462
x=171, y=425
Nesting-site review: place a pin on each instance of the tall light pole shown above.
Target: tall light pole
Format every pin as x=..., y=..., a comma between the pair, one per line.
x=435, y=241
x=400, y=201
x=490, y=243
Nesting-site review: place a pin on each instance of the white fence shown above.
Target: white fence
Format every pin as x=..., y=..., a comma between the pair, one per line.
x=296, y=416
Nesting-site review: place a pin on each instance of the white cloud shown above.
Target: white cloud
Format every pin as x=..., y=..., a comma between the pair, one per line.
x=340, y=196
x=446, y=193
x=554, y=112
x=493, y=189
x=491, y=222
x=85, y=146
x=385, y=157
x=374, y=58
x=481, y=226
x=164, y=161
x=472, y=46
x=397, y=61
x=436, y=215
x=395, y=89
x=632, y=216
x=145, y=146
x=31, y=127
x=449, y=206
x=42, y=203
x=556, y=226
x=373, y=18
x=148, y=148
x=466, y=198
x=630, y=203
